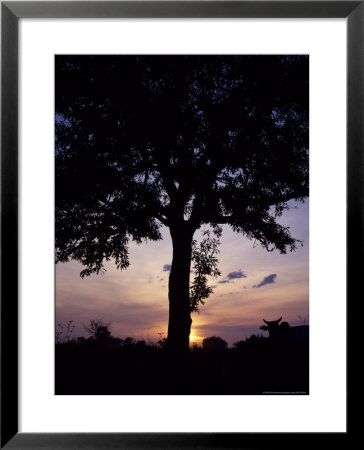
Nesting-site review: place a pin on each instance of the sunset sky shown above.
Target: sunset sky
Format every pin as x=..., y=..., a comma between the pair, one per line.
x=166, y=137
x=254, y=284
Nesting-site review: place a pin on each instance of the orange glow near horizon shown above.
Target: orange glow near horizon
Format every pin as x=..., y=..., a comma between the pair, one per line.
x=195, y=339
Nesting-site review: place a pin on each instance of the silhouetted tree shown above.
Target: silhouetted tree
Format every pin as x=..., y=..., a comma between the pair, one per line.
x=214, y=343
x=98, y=329
x=179, y=141
x=64, y=332
x=129, y=341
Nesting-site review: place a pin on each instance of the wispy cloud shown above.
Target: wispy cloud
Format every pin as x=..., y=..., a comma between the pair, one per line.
x=267, y=280
x=232, y=276
x=167, y=267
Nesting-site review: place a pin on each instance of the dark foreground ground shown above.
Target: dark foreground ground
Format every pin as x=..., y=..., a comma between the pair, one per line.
x=253, y=368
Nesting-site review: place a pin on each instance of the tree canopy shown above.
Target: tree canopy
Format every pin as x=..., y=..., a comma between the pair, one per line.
x=148, y=140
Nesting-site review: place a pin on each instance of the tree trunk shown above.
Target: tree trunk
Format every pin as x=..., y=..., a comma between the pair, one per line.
x=179, y=325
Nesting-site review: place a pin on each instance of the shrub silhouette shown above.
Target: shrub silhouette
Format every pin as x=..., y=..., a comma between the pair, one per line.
x=129, y=341
x=98, y=329
x=64, y=332
x=108, y=365
x=214, y=343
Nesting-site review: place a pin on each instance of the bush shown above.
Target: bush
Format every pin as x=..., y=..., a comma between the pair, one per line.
x=214, y=343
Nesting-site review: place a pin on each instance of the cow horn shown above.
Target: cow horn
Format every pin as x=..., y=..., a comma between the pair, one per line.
x=265, y=321
x=279, y=319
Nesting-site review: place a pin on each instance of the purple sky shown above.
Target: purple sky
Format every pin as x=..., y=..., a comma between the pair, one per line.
x=254, y=284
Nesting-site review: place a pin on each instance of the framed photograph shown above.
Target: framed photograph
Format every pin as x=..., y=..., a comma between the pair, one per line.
x=194, y=171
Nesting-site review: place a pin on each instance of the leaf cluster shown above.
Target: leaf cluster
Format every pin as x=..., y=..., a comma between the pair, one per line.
x=205, y=264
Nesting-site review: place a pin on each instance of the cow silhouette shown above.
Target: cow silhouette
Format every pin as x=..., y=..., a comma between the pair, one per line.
x=283, y=335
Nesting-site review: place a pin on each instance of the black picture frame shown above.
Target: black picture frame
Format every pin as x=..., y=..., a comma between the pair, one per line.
x=11, y=12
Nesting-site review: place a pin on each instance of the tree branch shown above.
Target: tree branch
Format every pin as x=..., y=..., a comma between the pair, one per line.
x=279, y=199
